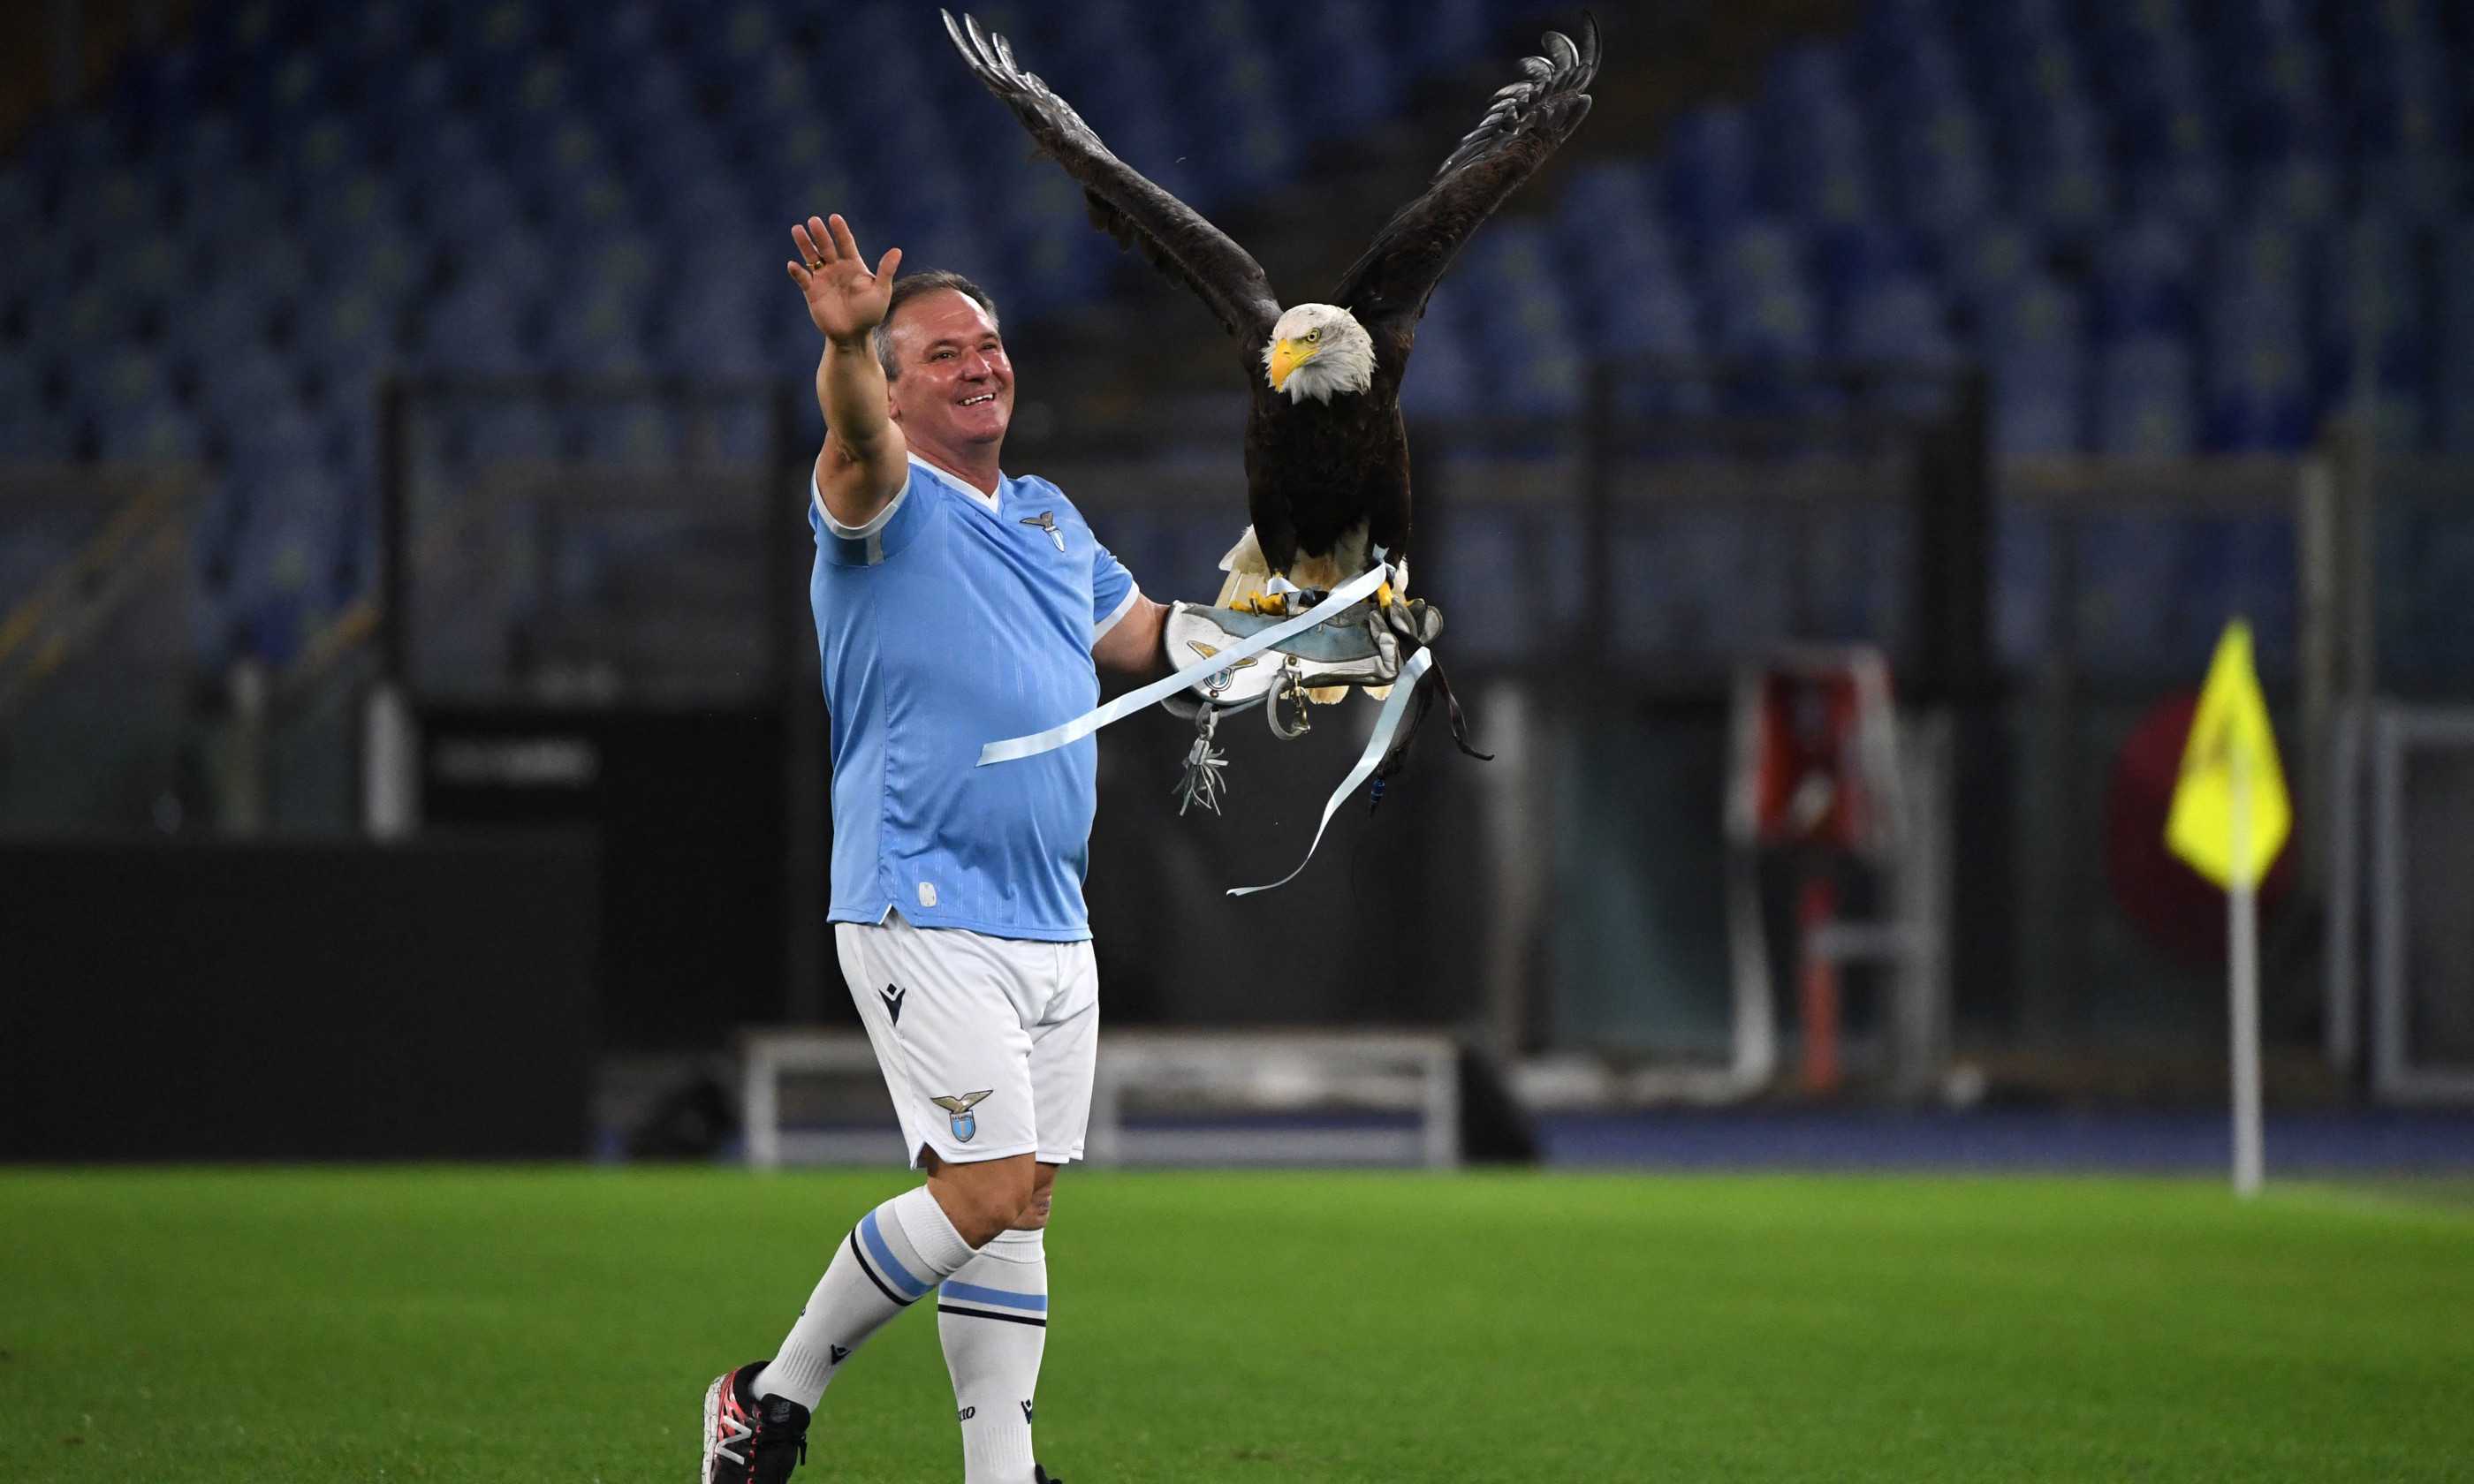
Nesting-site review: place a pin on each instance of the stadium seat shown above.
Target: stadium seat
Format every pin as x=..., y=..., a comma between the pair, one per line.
x=1940, y=161
x=1707, y=176
x=1900, y=321
x=2258, y=392
x=2145, y=397
x=2039, y=405
x=2146, y=282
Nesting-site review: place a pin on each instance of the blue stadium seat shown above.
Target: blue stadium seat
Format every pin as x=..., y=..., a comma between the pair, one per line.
x=1517, y=306
x=1442, y=34
x=720, y=326
x=1809, y=77
x=21, y=382
x=2033, y=337
x=1824, y=179
x=2146, y=282
x=1857, y=258
x=1939, y=160
x=1900, y=321
x=2039, y=405
x=1991, y=260
x=21, y=207
x=1709, y=172
x=2261, y=278
x=597, y=328
x=1755, y=256
x=1606, y=219
x=1442, y=381
x=1778, y=323
x=349, y=328
x=1654, y=316
x=474, y=327
x=231, y=319
x=629, y=434
x=2304, y=189
x=2374, y=296
x=2145, y=399
x=2259, y=393
x=2279, y=104
x=157, y=433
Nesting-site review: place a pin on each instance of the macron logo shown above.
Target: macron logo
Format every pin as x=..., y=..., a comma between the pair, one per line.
x=893, y=999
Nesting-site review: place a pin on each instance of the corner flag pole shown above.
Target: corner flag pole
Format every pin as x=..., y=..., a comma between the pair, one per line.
x=2242, y=955
x=2230, y=817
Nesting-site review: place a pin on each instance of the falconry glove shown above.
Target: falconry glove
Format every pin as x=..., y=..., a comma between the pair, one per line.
x=1364, y=646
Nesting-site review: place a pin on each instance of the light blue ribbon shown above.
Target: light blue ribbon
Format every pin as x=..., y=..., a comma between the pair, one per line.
x=1132, y=701
x=1387, y=722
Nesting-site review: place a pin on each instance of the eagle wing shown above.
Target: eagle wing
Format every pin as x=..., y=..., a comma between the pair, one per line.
x=1388, y=287
x=1171, y=234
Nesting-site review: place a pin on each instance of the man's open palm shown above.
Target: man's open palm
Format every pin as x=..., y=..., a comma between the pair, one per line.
x=844, y=299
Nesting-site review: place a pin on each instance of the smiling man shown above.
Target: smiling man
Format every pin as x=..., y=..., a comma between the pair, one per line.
x=954, y=604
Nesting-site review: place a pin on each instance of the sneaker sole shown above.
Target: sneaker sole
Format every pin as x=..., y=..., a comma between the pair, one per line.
x=711, y=1423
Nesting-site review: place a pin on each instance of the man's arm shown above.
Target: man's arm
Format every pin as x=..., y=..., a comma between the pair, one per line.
x=1132, y=647
x=865, y=461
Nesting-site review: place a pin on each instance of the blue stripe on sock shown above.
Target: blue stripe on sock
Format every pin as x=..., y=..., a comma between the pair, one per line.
x=1035, y=1302
x=894, y=1271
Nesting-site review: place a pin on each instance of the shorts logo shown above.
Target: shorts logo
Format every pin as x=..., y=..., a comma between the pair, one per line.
x=893, y=998
x=966, y=1122
x=1046, y=521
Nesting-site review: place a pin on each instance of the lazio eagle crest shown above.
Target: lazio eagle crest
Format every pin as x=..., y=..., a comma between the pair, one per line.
x=1046, y=521
x=966, y=1122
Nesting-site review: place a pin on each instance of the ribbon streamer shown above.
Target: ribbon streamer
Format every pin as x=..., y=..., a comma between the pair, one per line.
x=1132, y=701
x=1387, y=722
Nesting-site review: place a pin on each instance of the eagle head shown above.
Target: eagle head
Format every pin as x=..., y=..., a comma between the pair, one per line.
x=1318, y=349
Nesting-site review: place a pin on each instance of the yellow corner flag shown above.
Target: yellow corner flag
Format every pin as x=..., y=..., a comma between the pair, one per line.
x=2230, y=760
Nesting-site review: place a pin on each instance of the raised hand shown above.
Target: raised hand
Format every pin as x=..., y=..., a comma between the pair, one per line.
x=845, y=300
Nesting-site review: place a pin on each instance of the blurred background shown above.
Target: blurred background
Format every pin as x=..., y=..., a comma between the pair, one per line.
x=1838, y=464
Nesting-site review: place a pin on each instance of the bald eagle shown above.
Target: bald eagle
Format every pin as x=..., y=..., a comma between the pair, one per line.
x=1327, y=453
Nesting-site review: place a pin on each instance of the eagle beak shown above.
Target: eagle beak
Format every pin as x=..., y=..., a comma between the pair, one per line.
x=1287, y=355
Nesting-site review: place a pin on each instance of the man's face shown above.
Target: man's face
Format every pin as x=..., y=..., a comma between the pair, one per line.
x=957, y=387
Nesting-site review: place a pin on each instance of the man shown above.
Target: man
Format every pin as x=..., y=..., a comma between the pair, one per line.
x=954, y=604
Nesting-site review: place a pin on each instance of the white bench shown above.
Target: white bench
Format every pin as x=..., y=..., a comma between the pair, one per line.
x=1168, y=1097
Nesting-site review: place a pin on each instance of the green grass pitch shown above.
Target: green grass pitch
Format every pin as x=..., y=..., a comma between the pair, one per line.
x=559, y=1324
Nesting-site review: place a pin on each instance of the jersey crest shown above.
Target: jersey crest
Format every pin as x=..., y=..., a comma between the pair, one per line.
x=1046, y=521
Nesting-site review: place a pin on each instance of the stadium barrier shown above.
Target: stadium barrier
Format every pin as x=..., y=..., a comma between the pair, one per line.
x=306, y=1001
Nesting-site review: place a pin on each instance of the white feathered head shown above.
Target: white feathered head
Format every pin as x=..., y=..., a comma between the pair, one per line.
x=1319, y=351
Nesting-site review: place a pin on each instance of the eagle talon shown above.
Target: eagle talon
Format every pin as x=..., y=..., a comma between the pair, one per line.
x=1383, y=596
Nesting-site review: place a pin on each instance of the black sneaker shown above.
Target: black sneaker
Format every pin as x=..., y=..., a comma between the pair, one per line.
x=748, y=1440
x=1040, y=1475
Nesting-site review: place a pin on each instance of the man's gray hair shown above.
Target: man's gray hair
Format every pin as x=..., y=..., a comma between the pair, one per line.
x=911, y=286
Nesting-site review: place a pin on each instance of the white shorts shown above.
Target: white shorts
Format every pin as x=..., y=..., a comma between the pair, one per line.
x=986, y=1044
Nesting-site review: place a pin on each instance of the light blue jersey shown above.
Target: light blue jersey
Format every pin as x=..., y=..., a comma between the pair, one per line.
x=948, y=621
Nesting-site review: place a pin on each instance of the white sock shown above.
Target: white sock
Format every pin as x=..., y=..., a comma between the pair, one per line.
x=897, y=1253
x=992, y=1316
